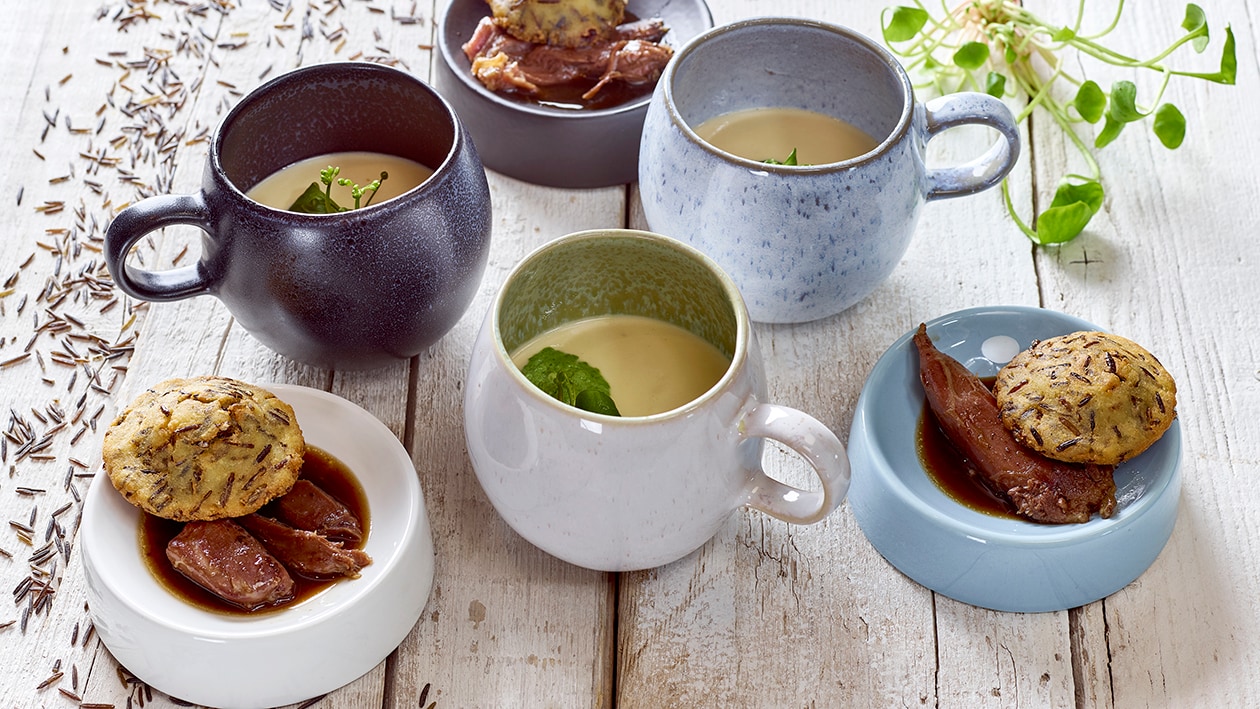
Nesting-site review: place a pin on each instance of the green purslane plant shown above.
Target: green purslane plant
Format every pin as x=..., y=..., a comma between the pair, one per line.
x=319, y=200
x=789, y=160
x=1001, y=48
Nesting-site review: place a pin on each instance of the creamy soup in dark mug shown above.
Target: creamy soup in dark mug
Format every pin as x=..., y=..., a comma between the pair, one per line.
x=351, y=290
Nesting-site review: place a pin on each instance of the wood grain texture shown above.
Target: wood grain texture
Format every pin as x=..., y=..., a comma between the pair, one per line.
x=1172, y=252
x=107, y=103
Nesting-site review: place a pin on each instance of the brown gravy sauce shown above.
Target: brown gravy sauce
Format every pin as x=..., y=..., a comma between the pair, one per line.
x=569, y=95
x=319, y=467
x=952, y=472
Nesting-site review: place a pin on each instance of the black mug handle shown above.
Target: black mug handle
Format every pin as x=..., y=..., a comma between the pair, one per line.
x=136, y=221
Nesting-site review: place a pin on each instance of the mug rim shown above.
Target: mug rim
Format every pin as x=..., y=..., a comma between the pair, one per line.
x=300, y=75
x=743, y=331
x=894, y=136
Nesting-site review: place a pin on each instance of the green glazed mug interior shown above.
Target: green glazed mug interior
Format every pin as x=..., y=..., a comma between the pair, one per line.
x=619, y=272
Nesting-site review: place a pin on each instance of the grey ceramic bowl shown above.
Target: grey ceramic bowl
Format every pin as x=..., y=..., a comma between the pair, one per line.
x=548, y=145
x=994, y=562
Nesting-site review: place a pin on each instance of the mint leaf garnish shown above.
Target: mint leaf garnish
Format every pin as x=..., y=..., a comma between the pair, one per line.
x=564, y=377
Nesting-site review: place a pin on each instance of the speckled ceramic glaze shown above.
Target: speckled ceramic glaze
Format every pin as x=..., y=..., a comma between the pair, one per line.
x=547, y=144
x=615, y=493
x=989, y=561
x=803, y=242
x=352, y=290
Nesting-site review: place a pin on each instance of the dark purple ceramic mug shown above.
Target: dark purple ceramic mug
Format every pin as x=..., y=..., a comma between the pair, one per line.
x=352, y=290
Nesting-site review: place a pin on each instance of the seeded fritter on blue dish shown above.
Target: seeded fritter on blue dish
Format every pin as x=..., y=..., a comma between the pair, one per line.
x=1086, y=397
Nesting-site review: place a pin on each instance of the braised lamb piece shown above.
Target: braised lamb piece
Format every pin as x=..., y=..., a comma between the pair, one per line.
x=1040, y=489
x=303, y=552
x=248, y=561
x=227, y=561
x=308, y=507
x=629, y=54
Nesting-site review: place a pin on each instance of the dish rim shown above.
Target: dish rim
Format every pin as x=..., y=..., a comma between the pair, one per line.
x=212, y=626
x=450, y=52
x=982, y=527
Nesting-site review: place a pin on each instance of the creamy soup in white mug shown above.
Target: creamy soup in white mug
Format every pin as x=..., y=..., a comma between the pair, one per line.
x=651, y=366
x=282, y=187
x=773, y=133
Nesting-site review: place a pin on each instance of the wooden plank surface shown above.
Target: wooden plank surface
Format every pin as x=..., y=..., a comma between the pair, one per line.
x=107, y=103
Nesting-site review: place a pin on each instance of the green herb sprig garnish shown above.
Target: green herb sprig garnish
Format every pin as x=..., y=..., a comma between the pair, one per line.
x=789, y=160
x=999, y=47
x=318, y=200
x=565, y=377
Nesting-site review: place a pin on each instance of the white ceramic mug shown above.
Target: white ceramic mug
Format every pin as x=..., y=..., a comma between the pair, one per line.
x=804, y=242
x=622, y=493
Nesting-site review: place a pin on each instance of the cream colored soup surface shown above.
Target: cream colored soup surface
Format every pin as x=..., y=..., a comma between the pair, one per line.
x=773, y=133
x=651, y=366
x=281, y=188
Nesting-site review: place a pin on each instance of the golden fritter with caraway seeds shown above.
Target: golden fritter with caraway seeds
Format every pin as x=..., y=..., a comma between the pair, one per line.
x=203, y=448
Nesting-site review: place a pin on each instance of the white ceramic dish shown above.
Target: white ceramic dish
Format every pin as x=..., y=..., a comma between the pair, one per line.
x=984, y=560
x=282, y=656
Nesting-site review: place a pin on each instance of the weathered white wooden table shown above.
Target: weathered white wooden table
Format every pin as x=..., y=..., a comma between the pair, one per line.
x=104, y=102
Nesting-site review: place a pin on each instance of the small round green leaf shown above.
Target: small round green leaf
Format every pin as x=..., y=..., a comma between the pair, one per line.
x=972, y=55
x=1058, y=225
x=1124, y=102
x=1111, y=131
x=1090, y=101
x=1063, y=34
x=904, y=23
x=1073, y=206
x=995, y=84
x=1169, y=126
x=1195, y=25
x=1090, y=193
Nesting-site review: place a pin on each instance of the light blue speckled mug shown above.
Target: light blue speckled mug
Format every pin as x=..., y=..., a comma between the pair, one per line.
x=804, y=242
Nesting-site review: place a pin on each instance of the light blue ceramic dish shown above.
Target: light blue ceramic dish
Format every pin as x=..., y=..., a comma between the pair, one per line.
x=976, y=558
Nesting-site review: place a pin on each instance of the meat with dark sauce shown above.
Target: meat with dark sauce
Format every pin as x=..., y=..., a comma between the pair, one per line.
x=303, y=552
x=631, y=55
x=306, y=506
x=227, y=561
x=1039, y=488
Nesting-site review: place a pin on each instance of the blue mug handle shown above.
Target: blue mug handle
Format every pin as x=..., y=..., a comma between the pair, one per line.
x=971, y=108
x=133, y=224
